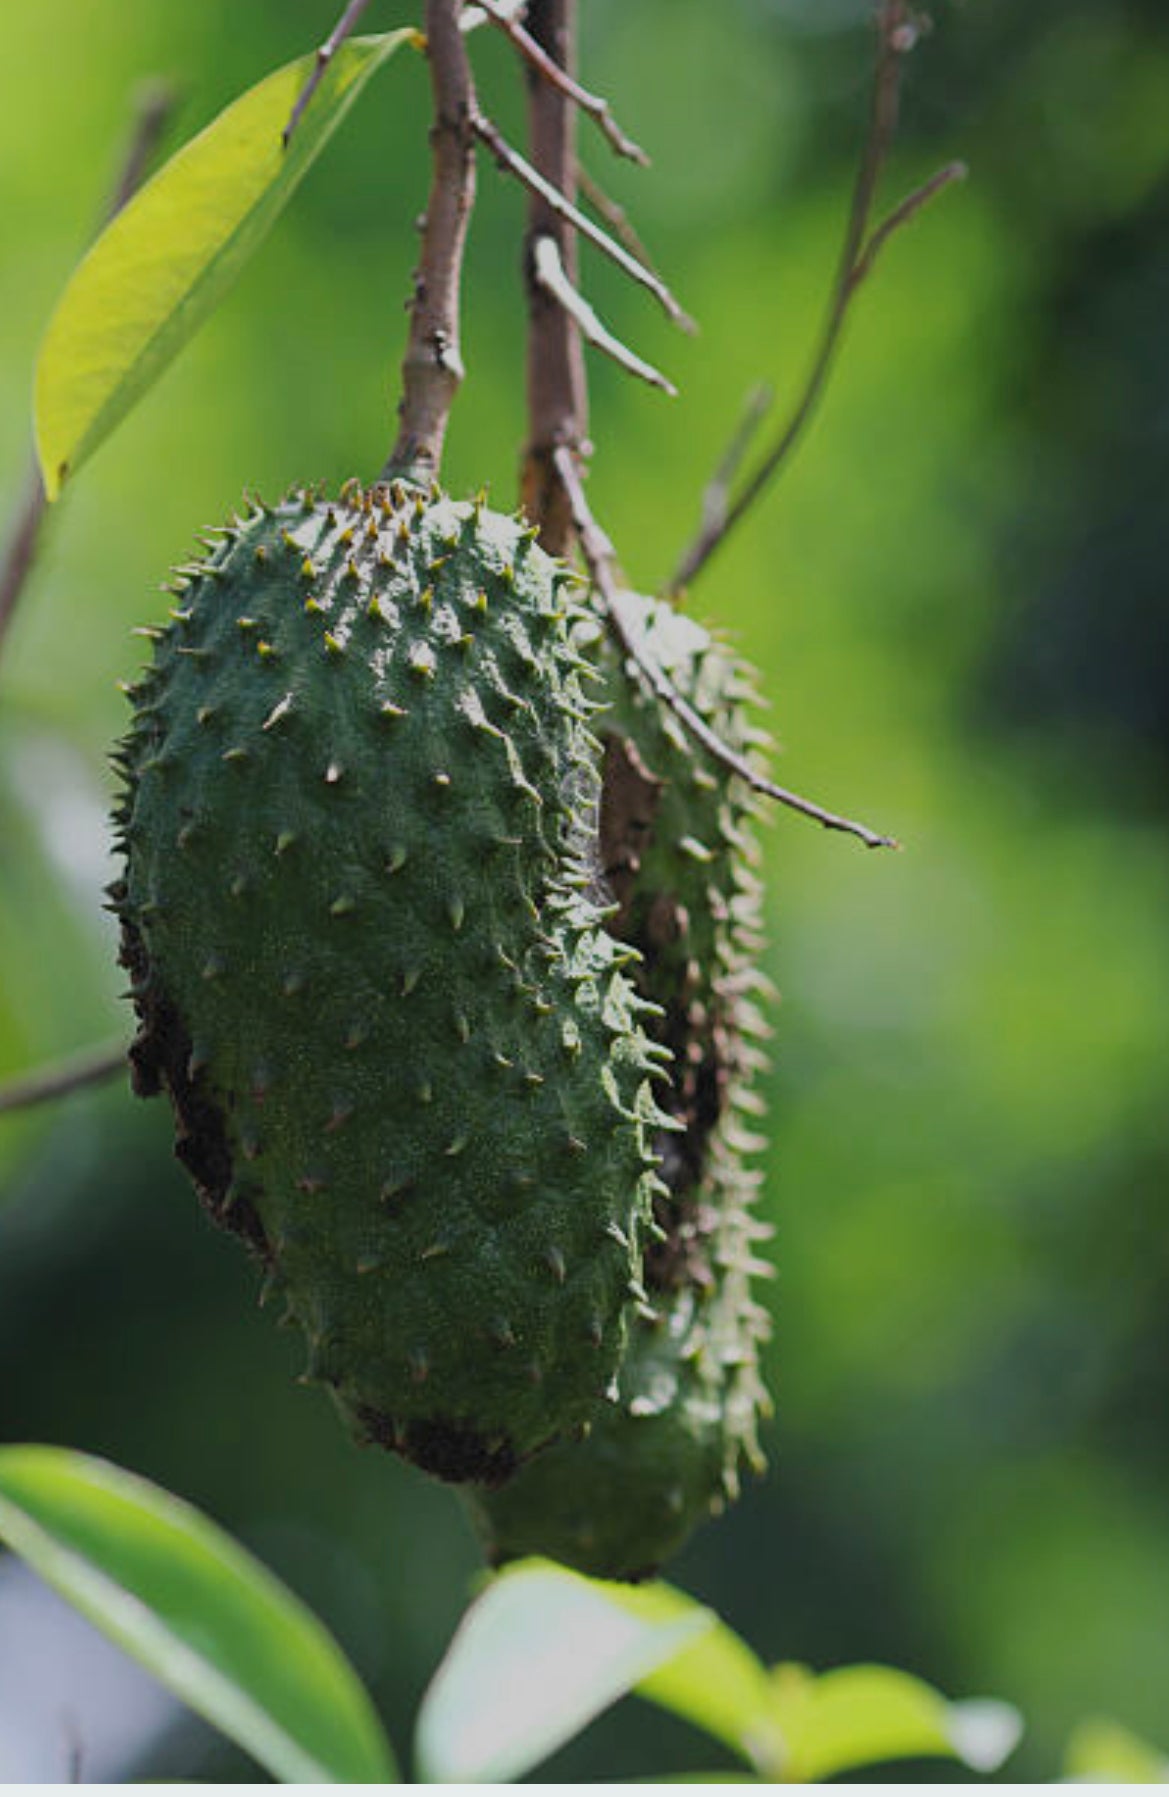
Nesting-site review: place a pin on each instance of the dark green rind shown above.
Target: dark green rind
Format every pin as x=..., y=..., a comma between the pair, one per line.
x=405, y=1061
x=620, y=1503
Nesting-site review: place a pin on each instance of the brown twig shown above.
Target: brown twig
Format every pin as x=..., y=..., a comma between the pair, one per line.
x=896, y=35
x=901, y=215
x=593, y=105
x=514, y=164
x=23, y=537
x=601, y=561
x=432, y=368
x=60, y=1079
x=153, y=106
x=325, y=53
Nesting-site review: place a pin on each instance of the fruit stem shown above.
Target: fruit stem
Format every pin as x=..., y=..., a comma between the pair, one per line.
x=432, y=368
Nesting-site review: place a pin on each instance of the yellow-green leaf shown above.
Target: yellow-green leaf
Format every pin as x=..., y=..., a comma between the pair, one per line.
x=1102, y=1752
x=861, y=1715
x=197, y=1611
x=164, y=263
x=716, y=1683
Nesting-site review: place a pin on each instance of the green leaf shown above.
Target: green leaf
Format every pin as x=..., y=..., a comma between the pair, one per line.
x=535, y=1658
x=1102, y=1752
x=167, y=259
x=205, y=1618
x=860, y=1715
x=717, y=1683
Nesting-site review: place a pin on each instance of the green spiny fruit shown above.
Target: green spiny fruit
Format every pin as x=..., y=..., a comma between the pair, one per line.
x=404, y=1059
x=679, y=854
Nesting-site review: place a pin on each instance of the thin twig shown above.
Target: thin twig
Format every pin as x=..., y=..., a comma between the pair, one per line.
x=549, y=272
x=716, y=497
x=596, y=107
x=901, y=215
x=58, y=1080
x=432, y=368
x=615, y=216
x=601, y=561
x=23, y=537
x=325, y=54
x=153, y=106
x=514, y=164
x=896, y=34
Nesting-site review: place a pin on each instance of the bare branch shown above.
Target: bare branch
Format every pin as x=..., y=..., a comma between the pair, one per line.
x=432, y=369
x=153, y=106
x=557, y=382
x=901, y=215
x=345, y=25
x=897, y=33
x=21, y=548
x=593, y=105
x=514, y=164
x=92, y=1068
x=601, y=561
x=548, y=270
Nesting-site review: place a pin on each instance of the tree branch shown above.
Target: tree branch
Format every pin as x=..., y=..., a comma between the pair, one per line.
x=153, y=106
x=90, y=1068
x=896, y=36
x=901, y=215
x=432, y=368
x=558, y=410
x=345, y=25
x=601, y=560
x=513, y=163
x=593, y=105
x=21, y=547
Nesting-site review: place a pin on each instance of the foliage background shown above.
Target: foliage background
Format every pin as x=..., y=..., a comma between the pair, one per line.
x=956, y=599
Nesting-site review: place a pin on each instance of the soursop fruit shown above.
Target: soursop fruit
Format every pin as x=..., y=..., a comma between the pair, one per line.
x=405, y=1061
x=679, y=857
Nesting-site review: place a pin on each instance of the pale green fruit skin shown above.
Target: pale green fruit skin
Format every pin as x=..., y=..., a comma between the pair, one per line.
x=405, y=1061
x=669, y=1452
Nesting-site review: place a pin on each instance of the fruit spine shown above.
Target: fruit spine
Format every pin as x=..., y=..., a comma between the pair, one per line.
x=678, y=853
x=405, y=1061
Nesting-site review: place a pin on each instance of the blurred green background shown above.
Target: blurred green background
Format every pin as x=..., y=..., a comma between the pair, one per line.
x=957, y=597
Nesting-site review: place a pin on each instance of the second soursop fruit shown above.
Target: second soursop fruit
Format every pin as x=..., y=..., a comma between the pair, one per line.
x=678, y=852
x=405, y=1062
